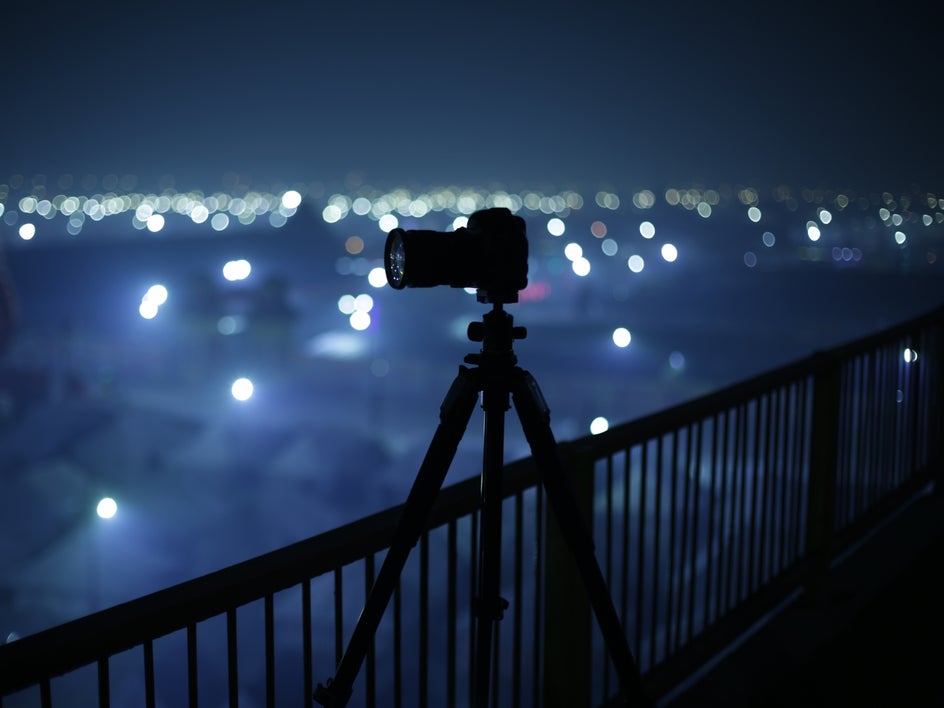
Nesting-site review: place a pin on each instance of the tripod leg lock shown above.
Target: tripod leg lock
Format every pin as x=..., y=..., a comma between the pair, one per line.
x=490, y=610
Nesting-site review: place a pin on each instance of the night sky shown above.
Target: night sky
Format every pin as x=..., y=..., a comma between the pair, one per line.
x=563, y=94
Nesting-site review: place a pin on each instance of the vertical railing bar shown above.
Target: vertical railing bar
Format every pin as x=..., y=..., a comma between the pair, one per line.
x=842, y=425
x=669, y=603
x=759, y=409
x=451, y=614
x=370, y=659
x=641, y=543
x=657, y=515
x=338, y=615
x=232, y=662
x=870, y=431
x=473, y=589
x=517, y=617
x=538, y=584
x=709, y=557
x=397, y=647
x=864, y=414
x=307, y=677
x=770, y=479
x=775, y=559
x=900, y=417
x=608, y=571
x=891, y=365
x=789, y=433
x=686, y=494
x=192, y=664
x=45, y=694
x=881, y=407
x=914, y=410
x=765, y=480
x=104, y=689
x=624, y=575
x=901, y=438
x=424, y=620
x=723, y=541
x=858, y=436
x=149, y=697
x=798, y=463
x=693, y=568
x=850, y=452
x=269, y=609
x=737, y=509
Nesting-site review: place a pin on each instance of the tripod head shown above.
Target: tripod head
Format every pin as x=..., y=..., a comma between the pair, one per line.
x=497, y=333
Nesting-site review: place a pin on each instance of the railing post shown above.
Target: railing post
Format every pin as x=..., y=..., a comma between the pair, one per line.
x=567, y=613
x=824, y=454
x=937, y=407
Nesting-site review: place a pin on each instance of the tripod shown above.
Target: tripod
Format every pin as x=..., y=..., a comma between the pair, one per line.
x=496, y=376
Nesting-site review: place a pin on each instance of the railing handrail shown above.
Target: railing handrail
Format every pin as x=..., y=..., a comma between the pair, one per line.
x=28, y=660
x=639, y=429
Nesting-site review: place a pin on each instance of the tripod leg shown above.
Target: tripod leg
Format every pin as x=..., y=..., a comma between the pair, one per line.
x=535, y=421
x=454, y=416
x=489, y=605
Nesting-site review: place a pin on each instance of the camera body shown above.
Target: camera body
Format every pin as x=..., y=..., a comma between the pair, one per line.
x=490, y=254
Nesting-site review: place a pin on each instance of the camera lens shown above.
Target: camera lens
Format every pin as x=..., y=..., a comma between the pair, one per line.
x=395, y=260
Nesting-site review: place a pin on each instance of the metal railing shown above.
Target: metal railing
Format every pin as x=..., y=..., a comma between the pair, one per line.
x=706, y=516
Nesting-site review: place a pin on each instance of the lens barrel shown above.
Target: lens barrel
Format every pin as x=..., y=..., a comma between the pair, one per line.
x=490, y=253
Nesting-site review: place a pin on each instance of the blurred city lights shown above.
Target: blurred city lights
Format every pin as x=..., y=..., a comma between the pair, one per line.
x=555, y=227
x=599, y=425
x=242, y=389
x=669, y=252
x=291, y=199
x=636, y=263
x=27, y=231
x=219, y=222
x=377, y=277
x=812, y=231
x=573, y=251
x=388, y=222
x=364, y=302
x=754, y=214
x=581, y=266
x=156, y=294
x=346, y=304
x=155, y=223
x=237, y=270
x=769, y=239
x=460, y=222
x=106, y=508
x=622, y=337
x=360, y=320
x=677, y=361
x=147, y=310
x=647, y=229
x=910, y=355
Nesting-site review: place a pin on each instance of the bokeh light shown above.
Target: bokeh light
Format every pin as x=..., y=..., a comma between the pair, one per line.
x=237, y=270
x=622, y=337
x=599, y=425
x=106, y=508
x=242, y=389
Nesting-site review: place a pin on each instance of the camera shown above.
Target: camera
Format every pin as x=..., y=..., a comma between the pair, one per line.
x=490, y=254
